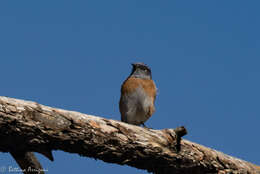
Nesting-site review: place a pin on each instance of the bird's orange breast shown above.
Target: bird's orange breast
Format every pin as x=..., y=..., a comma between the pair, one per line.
x=132, y=83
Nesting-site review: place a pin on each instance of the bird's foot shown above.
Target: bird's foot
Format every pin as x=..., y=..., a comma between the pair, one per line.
x=145, y=126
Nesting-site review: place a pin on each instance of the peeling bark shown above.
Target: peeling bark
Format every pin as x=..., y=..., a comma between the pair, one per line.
x=38, y=128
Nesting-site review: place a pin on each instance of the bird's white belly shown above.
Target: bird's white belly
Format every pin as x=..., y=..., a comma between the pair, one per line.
x=137, y=105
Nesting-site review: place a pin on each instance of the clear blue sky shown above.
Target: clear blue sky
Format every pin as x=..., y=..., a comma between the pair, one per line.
x=204, y=55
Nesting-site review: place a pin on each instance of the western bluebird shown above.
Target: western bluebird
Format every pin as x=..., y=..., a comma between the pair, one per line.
x=138, y=93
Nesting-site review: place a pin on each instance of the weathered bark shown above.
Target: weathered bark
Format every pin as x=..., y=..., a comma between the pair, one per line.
x=38, y=128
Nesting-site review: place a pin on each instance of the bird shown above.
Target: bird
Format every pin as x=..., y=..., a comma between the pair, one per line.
x=138, y=94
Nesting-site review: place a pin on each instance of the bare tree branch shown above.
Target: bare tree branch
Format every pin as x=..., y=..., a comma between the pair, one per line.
x=30, y=127
x=27, y=162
